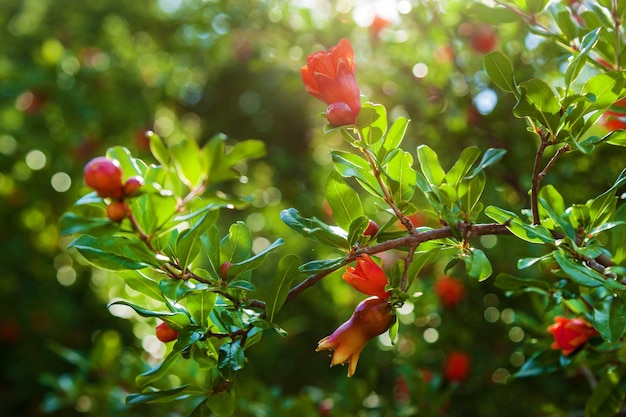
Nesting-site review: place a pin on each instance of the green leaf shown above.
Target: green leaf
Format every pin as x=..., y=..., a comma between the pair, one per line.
x=540, y=363
x=188, y=244
x=200, y=304
x=609, y=317
x=462, y=165
x=223, y=403
x=71, y=223
x=286, y=272
x=500, y=70
x=142, y=283
x=372, y=122
x=400, y=169
x=492, y=13
x=491, y=157
x=186, y=157
x=429, y=163
x=529, y=233
x=243, y=151
x=509, y=282
x=231, y=359
x=160, y=396
x=114, y=252
x=129, y=164
x=237, y=269
x=602, y=208
x=476, y=264
x=539, y=102
x=393, y=137
x=158, y=149
x=356, y=230
x=236, y=246
x=343, y=200
x=608, y=396
x=316, y=266
x=603, y=90
x=352, y=166
x=580, y=274
x=176, y=320
x=314, y=229
x=567, y=228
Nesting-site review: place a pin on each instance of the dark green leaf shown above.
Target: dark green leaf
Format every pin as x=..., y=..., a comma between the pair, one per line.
x=580, y=274
x=314, y=229
x=200, y=304
x=231, y=359
x=322, y=265
x=157, y=396
x=175, y=320
x=286, y=272
x=114, y=252
x=540, y=363
x=237, y=245
x=476, y=264
x=608, y=396
x=71, y=223
x=509, y=282
x=223, y=403
x=609, y=317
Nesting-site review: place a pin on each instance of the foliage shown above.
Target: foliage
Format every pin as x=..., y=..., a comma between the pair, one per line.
x=233, y=241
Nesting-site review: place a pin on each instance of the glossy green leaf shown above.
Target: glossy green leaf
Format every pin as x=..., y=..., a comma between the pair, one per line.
x=580, y=274
x=237, y=269
x=565, y=226
x=529, y=233
x=400, y=170
x=236, y=246
x=608, y=396
x=343, y=200
x=142, y=283
x=286, y=272
x=603, y=90
x=429, y=164
x=462, y=166
x=71, y=223
x=313, y=228
x=500, y=70
x=541, y=363
x=231, y=359
x=200, y=304
x=394, y=136
x=602, y=207
x=356, y=230
x=321, y=265
x=189, y=245
x=129, y=165
x=476, y=264
x=352, y=166
x=372, y=122
x=114, y=252
x=609, y=317
x=175, y=320
x=491, y=157
x=158, y=149
x=539, y=102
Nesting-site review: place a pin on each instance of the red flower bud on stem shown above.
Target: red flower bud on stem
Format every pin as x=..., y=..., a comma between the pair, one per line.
x=570, y=334
x=367, y=277
x=330, y=77
x=370, y=318
x=165, y=333
x=117, y=211
x=372, y=229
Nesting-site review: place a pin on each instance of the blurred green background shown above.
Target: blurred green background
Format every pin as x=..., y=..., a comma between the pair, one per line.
x=77, y=77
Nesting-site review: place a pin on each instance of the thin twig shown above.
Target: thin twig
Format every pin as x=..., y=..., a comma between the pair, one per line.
x=544, y=142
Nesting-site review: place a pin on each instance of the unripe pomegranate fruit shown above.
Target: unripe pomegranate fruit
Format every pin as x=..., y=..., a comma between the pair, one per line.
x=104, y=176
x=132, y=185
x=372, y=229
x=224, y=270
x=117, y=211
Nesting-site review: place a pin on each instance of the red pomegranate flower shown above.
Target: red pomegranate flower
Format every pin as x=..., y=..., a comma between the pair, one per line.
x=370, y=318
x=457, y=366
x=367, y=277
x=449, y=290
x=330, y=77
x=570, y=334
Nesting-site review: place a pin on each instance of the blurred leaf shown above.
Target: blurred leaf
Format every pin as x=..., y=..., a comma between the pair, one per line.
x=186, y=157
x=540, y=363
x=286, y=272
x=607, y=398
x=158, y=149
x=609, y=317
x=603, y=90
x=128, y=163
x=500, y=70
x=343, y=200
x=222, y=403
x=492, y=14
x=322, y=265
x=602, y=208
x=509, y=282
x=160, y=396
x=372, y=122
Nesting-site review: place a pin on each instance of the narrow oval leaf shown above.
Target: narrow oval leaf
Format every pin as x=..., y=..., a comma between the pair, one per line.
x=286, y=272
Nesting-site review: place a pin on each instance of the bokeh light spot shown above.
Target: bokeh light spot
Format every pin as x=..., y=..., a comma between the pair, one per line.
x=61, y=182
